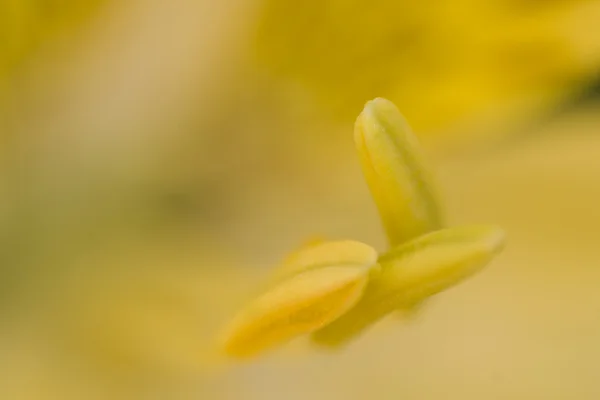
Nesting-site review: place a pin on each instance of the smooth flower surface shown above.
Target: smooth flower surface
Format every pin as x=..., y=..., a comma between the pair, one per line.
x=397, y=175
x=334, y=290
x=319, y=253
x=300, y=305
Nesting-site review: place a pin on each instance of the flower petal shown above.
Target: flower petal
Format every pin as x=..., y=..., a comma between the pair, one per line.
x=415, y=271
x=302, y=304
x=318, y=254
x=396, y=172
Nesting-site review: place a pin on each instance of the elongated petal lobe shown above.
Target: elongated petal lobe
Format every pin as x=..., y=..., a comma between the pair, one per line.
x=300, y=305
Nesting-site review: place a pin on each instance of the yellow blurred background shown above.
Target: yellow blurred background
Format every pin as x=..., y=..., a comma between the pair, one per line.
x=158, y=158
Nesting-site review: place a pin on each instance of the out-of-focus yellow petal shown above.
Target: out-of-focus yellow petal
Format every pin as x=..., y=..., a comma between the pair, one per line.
x=25, y=24
x=397, y=174
x=415, y=271
x=302, y=304
x=445, y=63
x=319, y=253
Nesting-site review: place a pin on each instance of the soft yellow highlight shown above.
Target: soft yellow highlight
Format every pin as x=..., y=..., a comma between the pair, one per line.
x=320, y=254
x=300, y=305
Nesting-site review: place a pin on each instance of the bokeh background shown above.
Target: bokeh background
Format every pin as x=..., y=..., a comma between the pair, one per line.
x=158, y=158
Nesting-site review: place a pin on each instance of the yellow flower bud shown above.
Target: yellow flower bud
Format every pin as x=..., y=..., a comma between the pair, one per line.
x=415, y=271
x=396, y=173
x=300, y=305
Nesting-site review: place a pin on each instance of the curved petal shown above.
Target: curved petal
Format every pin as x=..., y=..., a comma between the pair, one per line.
x=319, y=253
x=415, y=271
x=300, y=305
x=396, y=173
